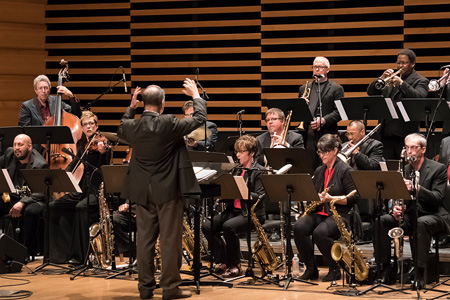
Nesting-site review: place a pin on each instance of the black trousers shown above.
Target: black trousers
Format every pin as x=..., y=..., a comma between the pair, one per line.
x=323, y=230
x=120, y=225
x=69, y=237
x=427, y=227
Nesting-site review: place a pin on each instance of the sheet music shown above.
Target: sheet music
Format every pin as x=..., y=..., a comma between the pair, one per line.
x=242, y=186
x=403, y=112
x=74, y=182
x=391, y=108
x=341, y=109
x=383, y=166
x=8, y=181
x=204, y=174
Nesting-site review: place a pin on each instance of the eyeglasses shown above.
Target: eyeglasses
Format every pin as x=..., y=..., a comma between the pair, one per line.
x=272, y=119
x=319, y=67
x=241, y=151
x=88, y=123
x=322, y=152
x=415, y=147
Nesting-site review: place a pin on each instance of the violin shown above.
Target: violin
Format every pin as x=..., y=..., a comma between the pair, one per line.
x=98, y=137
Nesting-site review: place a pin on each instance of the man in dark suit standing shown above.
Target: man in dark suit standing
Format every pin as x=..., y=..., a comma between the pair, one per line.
x=432, y=215
x=23, y=156
x=407, y=84
x=323, y=93
x=160, y=173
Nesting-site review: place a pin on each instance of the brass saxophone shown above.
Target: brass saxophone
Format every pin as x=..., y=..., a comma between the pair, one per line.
x=344, y=254
x=188, y=241
x=101, y=233
x=305, y=96
x=262, y=250
x=314, y=204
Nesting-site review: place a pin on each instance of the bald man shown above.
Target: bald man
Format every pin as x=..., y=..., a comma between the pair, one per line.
x=30, y=206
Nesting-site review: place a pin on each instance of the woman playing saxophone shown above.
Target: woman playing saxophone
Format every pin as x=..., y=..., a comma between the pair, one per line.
x=320, y=224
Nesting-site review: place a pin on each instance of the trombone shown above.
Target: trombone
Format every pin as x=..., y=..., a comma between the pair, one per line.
x=305, y=96
x=381, y=83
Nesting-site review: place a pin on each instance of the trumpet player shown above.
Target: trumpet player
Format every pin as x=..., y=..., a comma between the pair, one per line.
x=326, y=115
x=366, y=156
x=319, y=224
x=276, y=124
x=405, y=82
x=432, y=215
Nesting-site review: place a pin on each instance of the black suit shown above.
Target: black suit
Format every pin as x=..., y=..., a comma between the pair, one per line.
x=294, y=140
x=34, y=204
x=394, y=131
x=160, y=173
x=323, y=228
x=369, y=156
x=330, y=91
x=433, y=217
x=444, y=151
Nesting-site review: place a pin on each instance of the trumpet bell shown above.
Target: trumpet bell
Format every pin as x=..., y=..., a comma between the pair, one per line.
x=433, y=85
x=380, y=84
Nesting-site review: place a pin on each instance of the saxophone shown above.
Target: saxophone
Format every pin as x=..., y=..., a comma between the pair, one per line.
x=188, y=241
x=339, y=253
x=314, y=204
x=262, y=250
x=101, y=233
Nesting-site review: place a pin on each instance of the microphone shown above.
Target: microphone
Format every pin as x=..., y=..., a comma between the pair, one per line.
x=241, y=112
x=319, y=75
x=124, y=80
x=197, y=71
x=284, y=169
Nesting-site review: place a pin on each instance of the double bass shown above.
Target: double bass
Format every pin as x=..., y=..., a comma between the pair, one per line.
x=58, y=159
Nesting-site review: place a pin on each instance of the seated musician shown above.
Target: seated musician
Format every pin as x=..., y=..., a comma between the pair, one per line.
x=122, y=227
x=68, y=221
x=234, y=219
x=319, y=224
x=432, y=216
x=275, y=121
x=366, y=156
x=23, y=156
x=210, y=144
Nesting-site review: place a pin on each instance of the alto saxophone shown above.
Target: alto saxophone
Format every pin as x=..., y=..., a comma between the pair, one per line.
x=341, y=254
x=314, y=204
x=262, y=250
x=101, y=233
x=188, y=241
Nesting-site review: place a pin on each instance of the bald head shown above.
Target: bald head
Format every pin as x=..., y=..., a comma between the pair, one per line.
x=22, y=147
x=153, y=95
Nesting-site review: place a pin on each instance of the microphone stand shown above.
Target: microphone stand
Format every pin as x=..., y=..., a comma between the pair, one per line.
x=429, y=129
x=109, y=89
x=319, y=94
x=205, y=97
x=240, y=124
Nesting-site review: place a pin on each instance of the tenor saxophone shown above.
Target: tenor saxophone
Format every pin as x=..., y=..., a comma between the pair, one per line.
x=343, y=254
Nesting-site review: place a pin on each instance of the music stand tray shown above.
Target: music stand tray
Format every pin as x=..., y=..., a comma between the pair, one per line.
x=297, y=157
x=202, y=156
x=299, y=107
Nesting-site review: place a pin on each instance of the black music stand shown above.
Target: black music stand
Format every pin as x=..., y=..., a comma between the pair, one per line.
x=114, y=177
x=47, y=182
x=423, y=109
x=288, y=188
x=380, y=185
x=366, y=108
x=201, y=156
x=299, y=107
x=297, y=157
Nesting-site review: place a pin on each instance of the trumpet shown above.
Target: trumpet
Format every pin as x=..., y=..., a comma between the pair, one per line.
x=381, y=83
x=305, y=96
x=435, y=84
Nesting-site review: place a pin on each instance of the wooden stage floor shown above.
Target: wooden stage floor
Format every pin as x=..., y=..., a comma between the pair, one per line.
x=52, y=284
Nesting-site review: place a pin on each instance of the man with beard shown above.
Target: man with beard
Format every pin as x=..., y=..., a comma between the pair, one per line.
x=23, y=156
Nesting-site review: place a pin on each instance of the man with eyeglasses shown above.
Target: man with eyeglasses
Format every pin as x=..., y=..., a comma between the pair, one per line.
x=407, y=84
x=433, y=218
x=366, y=156
x=275, y=122
x=323, y=108
x=201, y=145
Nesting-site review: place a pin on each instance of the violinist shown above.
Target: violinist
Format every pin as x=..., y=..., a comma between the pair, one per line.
x=68, y=225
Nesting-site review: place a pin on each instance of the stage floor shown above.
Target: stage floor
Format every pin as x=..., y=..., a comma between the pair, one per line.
x=52, y=284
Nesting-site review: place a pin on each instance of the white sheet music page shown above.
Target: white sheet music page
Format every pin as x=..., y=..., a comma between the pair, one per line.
x=391, y=108
x=242, y=186
x=402, y=109
x=9, y=181
x=341, y=109
x=74, y=182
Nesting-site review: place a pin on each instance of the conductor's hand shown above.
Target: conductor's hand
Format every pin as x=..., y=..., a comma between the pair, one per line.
x=190, y=88
x=134, y=101
x=16, y=209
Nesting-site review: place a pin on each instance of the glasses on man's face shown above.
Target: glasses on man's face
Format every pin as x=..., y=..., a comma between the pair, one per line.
x=91, y=124
x=319, y=152
x=319, y=67
x=415, y=147
x=272, y=120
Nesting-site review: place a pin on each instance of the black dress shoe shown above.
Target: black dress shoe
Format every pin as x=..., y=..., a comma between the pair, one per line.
x=418, y=285
x=310, y=274
x=74, y=262
x=444, y=243
x=387, y=275
x=333, y=275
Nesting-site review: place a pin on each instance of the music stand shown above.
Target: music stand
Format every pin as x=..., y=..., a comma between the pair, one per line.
x=297, y=157
x=366, y=108
x=49, y=181
x=114, y=178
x=202, y=156
x=288, y=188
x=380, y=185
x=299, y=107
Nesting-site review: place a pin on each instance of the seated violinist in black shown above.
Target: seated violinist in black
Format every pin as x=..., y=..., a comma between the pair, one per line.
x=69, y=239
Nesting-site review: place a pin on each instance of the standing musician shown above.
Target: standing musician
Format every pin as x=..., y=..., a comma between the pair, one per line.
x=432, y=216
x=319, y=224
x=366, y=156
x=234, y=220
x=160, y=174
x=329, y=92
x=68, y=224
x=405, y=84
x=210, y=143
x=275, y=120
x=23, y=156
x=444, y=83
